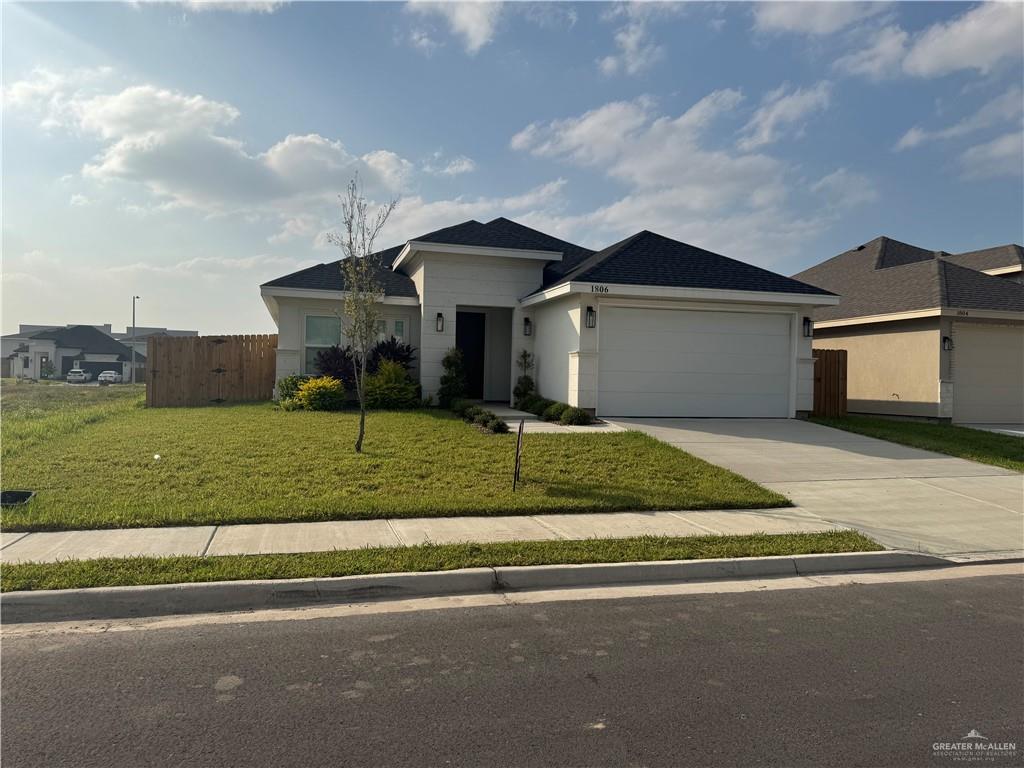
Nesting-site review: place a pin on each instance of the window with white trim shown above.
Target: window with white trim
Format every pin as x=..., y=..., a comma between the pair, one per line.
x=322, y=332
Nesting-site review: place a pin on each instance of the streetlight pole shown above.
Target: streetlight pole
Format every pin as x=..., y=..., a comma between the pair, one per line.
x=134, y=299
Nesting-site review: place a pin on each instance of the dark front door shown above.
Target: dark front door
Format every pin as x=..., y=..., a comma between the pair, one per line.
x=469, y=337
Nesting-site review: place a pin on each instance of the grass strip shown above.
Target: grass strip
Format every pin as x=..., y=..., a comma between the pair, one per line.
x=116, y=572
x=979, y=445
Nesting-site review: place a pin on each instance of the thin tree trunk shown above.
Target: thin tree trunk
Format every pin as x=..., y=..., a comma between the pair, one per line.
x=361, y=394
x=362, y=428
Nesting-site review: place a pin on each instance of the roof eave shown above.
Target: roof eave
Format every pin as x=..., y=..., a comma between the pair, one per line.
x=413, y=247
x=603, y=290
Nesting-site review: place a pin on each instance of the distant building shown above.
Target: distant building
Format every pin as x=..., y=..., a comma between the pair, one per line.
x=50, y=351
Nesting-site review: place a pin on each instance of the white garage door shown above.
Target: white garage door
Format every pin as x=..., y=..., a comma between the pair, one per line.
x=672, y=362
x=988, y=373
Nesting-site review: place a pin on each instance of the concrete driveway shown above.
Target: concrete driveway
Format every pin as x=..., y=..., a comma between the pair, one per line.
x=902, y=497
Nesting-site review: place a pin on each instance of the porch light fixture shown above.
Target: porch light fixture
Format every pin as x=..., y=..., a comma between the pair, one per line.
x=527, y=327
x=947, y=343
x=808, y=331
x=591, y=318
x=439, y=323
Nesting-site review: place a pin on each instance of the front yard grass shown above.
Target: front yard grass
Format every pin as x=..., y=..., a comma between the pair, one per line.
x=973, y=444
x=117, y=572
x=256, y=463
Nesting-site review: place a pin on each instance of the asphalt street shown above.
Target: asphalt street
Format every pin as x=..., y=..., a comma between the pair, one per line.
x=858, y=675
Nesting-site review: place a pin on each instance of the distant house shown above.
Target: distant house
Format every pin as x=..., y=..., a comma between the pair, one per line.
x=25, y=353
x=928, y=333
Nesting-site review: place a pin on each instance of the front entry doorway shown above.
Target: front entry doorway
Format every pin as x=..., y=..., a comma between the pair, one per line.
x=470, y=332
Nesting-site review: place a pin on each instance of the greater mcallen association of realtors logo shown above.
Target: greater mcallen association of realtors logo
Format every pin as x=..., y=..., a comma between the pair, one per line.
x=974, y=748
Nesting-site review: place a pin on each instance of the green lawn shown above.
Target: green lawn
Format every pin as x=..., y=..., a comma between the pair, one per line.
x=114, y=572
x=973, y=444
x=35, y=413
x=255, y=463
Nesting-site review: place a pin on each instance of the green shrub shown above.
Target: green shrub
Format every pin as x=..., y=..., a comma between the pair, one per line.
x=453, y=380
x=459, y=407
x=470, y=413
x=324, y=393
x=524, y=387
x=482, y=417
x=391, y=388
x=576, y=416
x=288, y=387
x=497, y=426
x=289, y=404
x=540, y=405
x=554, y=411
x=528, y=403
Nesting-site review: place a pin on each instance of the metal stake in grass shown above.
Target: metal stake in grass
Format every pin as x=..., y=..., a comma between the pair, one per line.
x=519, y=455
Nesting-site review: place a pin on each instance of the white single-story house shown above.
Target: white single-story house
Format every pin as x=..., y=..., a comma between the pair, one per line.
x=928, y=334
x=646, y=327
x=63, y=348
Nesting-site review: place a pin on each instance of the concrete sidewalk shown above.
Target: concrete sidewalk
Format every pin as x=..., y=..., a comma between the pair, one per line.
x=353, y=534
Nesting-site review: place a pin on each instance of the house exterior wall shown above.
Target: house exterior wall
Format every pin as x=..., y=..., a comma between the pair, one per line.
x=292, y=313
x=556, y=334
x=892, y=368
x=446, y=282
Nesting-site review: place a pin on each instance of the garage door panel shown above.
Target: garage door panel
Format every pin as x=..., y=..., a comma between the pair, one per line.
x=656, y=362
x=988, y=373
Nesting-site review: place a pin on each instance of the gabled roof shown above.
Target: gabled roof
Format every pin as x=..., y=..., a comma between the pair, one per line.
x=885, y=276
x=329, y=277
x=86, y=338
x=648, y=258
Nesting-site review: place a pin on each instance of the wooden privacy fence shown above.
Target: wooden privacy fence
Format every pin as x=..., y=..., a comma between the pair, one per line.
x=209, y=370
x=830, y=382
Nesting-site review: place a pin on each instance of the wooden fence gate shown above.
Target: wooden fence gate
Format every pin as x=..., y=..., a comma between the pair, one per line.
x=830, y=382
x=209, y=370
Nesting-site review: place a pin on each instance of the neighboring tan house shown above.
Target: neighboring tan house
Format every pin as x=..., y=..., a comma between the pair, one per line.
x=646, y=327
x=928, y=333
x=82, y=346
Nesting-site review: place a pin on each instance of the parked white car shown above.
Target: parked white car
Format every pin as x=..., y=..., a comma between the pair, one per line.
x=109, y=377
x=78, y=376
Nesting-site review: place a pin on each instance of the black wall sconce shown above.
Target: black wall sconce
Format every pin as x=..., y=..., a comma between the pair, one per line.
x=439, y=323
x=527, y=327
x=808, y=329
x=591, y=318
x=947, y=343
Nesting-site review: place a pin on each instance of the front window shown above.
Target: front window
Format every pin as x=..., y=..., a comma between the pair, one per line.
x=322, y=331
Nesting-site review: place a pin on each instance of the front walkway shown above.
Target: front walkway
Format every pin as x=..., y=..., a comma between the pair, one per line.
x=902, y=497
x=352, y=534
x=512, y=417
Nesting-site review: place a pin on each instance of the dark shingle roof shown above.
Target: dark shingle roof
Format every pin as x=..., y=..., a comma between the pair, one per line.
x=85, y=338
x=328, y=277
x=886, y=276
x=648, y=258
x=989, y=258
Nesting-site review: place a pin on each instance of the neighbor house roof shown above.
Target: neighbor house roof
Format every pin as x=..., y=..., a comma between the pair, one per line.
x=885, y=276
x=86, y=338
x=999, y=257
x=648, y=258
x=329, y=277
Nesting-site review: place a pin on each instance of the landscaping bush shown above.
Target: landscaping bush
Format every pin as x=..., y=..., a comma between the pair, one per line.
x=540, y=405
x=453, y=380
x=470, y=413
x=459, y=407
x=524, y=387
x=554, y=411
x=289, y=404
x=324, y=393
x=393, y=350
x=338, y=363
x=391, y=388
x=576, y=417
x=288, y=387
x=496, y=425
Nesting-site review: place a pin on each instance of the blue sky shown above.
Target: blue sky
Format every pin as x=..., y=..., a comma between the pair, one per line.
x=187, y=152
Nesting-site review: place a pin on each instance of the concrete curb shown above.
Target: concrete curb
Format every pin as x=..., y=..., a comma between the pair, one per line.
x=225, y=596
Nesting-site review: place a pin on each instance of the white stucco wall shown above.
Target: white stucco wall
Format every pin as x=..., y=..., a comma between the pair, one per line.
x=447, y=282
x=556, y=334
x=292, y=313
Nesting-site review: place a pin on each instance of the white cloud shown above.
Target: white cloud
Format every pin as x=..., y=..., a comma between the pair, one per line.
x=78, y=201
x=817, y=18
x=213, y=267
x=474, y=22
x=881, y=58
x=980, y=39
x=1003, y=156
x=636, y=51
x=1008, y=106
x=421, y=40
x=236, y=6
x=438, y=165
x=843, y=189
x=51, y=96
x=781, y=111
